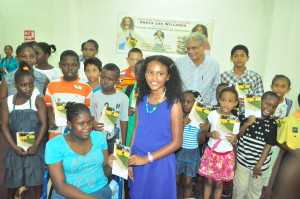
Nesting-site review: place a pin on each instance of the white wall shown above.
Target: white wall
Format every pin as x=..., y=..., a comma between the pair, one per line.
x=267, y=27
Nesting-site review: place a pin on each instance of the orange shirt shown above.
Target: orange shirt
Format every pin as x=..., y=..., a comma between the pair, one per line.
x=126, y=79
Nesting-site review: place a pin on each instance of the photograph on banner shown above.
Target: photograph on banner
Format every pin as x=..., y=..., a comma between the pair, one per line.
x=160, y=34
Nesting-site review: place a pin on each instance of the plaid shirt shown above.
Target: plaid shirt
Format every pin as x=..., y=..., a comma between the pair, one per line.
x=256, y=84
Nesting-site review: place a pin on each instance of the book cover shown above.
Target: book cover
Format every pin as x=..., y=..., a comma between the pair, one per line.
x=242, y=88
x=199, y=113
x=109, y=117
x=227, y=124
x=253, y=105
x=25, y=139
x=120, y=165
x=134, y=98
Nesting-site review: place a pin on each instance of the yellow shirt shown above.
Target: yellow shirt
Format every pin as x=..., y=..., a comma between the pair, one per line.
x=289, y=131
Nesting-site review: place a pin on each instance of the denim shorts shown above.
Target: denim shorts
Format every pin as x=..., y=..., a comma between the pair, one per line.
x=103, y=193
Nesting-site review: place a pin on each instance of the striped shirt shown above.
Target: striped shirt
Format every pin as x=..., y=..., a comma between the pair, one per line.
x=126, y=79
x=190, y=135
x=252, y=143
x=204, y=78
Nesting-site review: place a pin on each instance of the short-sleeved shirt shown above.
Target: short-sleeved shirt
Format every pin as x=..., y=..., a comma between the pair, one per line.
x=82, y=171
x=289, y=131
x=126, y=79
x=190, y=137
x=10, y=65
x=52, y=74
x=224, y=145
x=117, y=100
x=252, y=143
x=204, y=78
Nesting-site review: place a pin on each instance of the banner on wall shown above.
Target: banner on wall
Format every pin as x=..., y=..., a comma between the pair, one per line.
x=29, y=35
x=158, y=34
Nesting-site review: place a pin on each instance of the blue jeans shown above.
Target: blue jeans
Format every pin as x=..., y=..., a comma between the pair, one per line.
x=103, y=193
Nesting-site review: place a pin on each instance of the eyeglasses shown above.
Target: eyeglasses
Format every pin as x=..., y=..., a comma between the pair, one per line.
x=193, y=48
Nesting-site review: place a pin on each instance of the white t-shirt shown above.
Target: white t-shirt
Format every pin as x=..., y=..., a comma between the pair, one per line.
x=52, y=74
x=224, y=145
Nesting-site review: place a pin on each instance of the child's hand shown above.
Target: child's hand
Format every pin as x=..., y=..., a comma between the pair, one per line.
x=186, y=120
x=20, y=151
x=215, y=134
x=204, y=127
x=110, y=159
x=130, y=173
x=98, y=126
x=32, y=150
x=138, y=160
x=251, y=120
x=52, y=124
x=257, y=171
x=131, y=110
x=231, y=137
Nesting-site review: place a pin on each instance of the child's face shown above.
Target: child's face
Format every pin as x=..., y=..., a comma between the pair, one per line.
x=188, y=101
x=227, y=102
x=239, y=58
x=199, y=30
x=69, y=67
x=89, y=51
x=108, y=80
x=28, y=55
x=127, y=22
x=81, y=126
x=133, y=58
x=137, y=69
x=218, y=91
x=25, y=86
x=41, y=56
x=156, y=75
x=280, y=87
x=92, y=72
x=268, y=106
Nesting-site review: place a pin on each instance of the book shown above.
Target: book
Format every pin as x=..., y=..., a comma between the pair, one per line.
x=109, y=118
x=199, y=113
x=242, y=88
x=227, y=124
x=253, y=105
x=134, y=98
x=25, y=139
x=120, y=165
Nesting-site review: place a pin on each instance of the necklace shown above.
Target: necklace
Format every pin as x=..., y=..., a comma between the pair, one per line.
x=155, y=107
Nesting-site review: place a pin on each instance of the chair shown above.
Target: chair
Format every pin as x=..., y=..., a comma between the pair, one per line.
x=45, y=183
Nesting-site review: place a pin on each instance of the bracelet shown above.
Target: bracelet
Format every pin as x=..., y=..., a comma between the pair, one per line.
x=150, y=157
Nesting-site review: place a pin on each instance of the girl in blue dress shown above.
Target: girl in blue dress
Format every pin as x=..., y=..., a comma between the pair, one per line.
x=158, y=130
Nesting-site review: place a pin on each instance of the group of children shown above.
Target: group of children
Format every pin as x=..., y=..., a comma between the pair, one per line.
x=154, y=126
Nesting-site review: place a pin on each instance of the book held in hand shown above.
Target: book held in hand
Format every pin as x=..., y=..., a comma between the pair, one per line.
x=109, y=117
x=25, y=139
x=199, y=113
x=253, y=105
x=120, y=165
x=134, y=98
x=242, y=88
x=227, y=124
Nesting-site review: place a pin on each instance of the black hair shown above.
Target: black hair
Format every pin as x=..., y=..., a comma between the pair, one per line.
x=69, y=53
x=240, y=47
x=93, y=61
x=24, y=70
x=112, y=67
x=135, y=50
x=203, y=28
x=74, y=109
x=48, y=49
x=8, y=46
x=299, y=99
x=232, y=90
x=195, y=93
x=131, y=26
x=268, y=94
x=138, y=63
x=24, y=46
x=162, y=34
x=173, y=85
x=222, y=84
x=90, y=41
x=31, y=43
x=281, y=77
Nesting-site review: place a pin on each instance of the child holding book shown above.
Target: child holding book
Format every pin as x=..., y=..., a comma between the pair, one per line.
x=92, y=69
x=68, y=88
x=115, y=100
x=158, y=130
x=217, y=162
x=188, y=157
x=256, y=137
x=24, y=114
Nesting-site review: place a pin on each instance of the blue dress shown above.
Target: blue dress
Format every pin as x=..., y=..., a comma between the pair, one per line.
x=156, y=179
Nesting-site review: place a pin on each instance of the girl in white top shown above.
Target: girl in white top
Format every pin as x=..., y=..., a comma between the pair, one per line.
x=217, y=162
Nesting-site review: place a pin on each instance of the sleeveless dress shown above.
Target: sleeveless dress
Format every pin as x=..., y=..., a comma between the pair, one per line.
x=28, y=170
x=156, y=179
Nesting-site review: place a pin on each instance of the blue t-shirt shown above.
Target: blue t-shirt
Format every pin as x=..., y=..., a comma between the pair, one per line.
x=84, y=172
